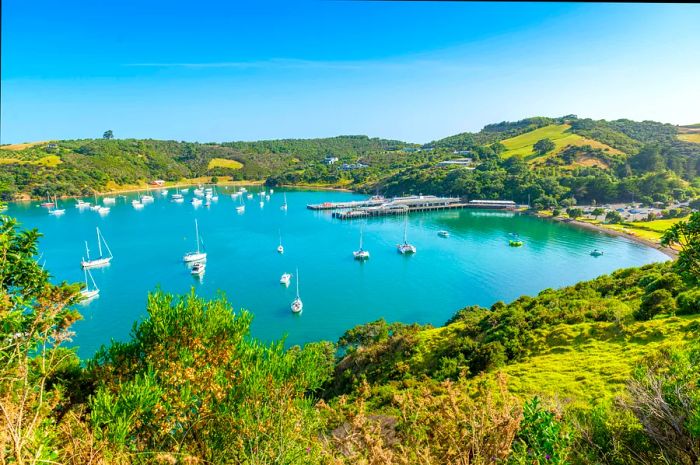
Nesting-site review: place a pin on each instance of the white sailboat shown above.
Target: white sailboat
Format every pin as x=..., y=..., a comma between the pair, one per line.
x=272, y=191
x=405, y=248
x=147, y=198
x=101, y=260
x=284, y=205
x=285, y=279
x=196, y=201
x=241, y=207
x=109, y=201
x=185, y=190
x=137, y=204
x=56, y=211
x=361, y=254
x=80, y=204
x=297, y=304
x=262, y=204
x=177, y=197
x=280, y=248
x=88, y=293
x=198, y=255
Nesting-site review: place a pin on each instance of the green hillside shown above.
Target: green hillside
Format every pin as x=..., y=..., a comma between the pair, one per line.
x=561, y=135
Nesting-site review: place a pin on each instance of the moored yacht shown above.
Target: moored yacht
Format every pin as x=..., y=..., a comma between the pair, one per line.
x=405, y=248
x=361, y=254
x=198, y=255
x=286, y=279
x=88, y=293
x=101, y=260
x=297, y=304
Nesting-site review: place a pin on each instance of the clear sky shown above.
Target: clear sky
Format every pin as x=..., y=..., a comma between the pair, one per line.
x=210, y=70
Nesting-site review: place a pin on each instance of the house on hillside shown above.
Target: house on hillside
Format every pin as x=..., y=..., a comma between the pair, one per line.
x=330, y=160
x=158, y=182
x=463, y=162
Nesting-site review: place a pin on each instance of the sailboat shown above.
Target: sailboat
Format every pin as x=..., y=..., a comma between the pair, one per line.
x=56, y=211
x=241, y=207
x=405, y=248
x=101, y=260
x=147, y=198
x=198, y=255
x=284, y=205
x=280, y=248
x=285, y=279
x=80, y=204
x=48, y=203
x=297, y=305
x=88, y=293
x=109, y=200
x=137, y=203
x=177, y=197
x=361, y=254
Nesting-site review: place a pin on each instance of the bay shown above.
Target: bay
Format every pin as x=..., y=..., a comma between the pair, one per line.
x=475, y=265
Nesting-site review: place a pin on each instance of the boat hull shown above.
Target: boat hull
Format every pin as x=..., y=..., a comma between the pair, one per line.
x=97, y=263
x=194, y=257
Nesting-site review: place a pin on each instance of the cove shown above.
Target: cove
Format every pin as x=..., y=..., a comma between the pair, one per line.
x=474, y=265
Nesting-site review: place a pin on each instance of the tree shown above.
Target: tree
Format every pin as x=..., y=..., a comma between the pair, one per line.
x=498, y=148
x=659, y=301
x=35, y=321
x=686, y=234
x=108, y=134
x=597, y=212
x=613, y=217
x=543, y=146
x=574, y=213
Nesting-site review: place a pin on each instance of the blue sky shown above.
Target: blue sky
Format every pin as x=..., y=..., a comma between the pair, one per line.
x=416, y=71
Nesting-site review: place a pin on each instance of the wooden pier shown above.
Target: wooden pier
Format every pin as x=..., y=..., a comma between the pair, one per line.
x=404, y=205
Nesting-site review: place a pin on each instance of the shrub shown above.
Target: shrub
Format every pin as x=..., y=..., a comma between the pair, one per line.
x=688, y=302
x=542, y=437
x=659, y=301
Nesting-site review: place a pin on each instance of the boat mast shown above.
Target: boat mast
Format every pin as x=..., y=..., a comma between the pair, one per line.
x=87, y=251
x=105, y=242
x=99, y=241
x=361, y=228
x=297, y=283
x=280, y=232
x=196, y=229
x=405, y=229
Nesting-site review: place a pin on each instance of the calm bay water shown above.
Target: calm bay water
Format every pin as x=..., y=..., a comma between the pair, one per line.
x=474, y=265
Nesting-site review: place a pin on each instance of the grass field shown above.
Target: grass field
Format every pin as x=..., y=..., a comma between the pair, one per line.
x=16, y=147
x=559, y=134
x=225, y=163
x=592, y=361
x=690, y=137
x=48, y=161
x=578, y=362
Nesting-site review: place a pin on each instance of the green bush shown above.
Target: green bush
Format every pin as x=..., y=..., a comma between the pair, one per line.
x=659, y=301
x=542, y=438
x=688, y=302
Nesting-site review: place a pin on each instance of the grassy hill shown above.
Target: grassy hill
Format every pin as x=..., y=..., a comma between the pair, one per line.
x=560, y=134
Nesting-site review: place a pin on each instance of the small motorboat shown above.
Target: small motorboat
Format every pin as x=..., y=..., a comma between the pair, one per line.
x=250, y=196
x=596, y=253
x=198, y=268
x=240, y=209
x=516, y=243
x=443, y=233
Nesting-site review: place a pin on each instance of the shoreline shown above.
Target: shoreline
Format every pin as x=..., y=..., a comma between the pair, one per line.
x=669, y=252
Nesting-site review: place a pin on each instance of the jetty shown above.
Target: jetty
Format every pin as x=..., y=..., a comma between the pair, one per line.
x=378, y=206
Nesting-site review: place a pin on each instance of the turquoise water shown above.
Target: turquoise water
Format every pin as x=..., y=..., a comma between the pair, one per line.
x=474, y=265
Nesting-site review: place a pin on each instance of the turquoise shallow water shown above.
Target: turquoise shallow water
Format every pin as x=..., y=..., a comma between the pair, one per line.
x=474, y=265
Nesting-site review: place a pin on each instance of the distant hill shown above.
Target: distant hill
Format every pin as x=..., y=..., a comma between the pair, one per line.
x=622, y=147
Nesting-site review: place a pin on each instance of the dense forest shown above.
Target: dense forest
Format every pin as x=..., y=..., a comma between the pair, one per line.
x=568, y=160
x=591, y=373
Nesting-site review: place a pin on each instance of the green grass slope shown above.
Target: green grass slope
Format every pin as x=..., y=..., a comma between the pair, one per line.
x=560, y=134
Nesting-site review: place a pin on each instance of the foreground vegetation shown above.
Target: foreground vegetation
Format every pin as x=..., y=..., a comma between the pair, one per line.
x=592, y=373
